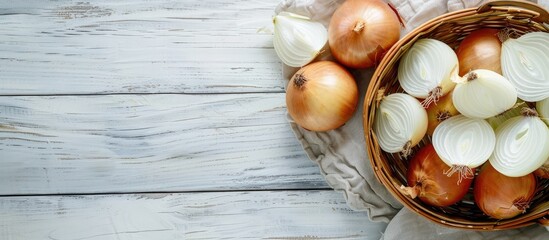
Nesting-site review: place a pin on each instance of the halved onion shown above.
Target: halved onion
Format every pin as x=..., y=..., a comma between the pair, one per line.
x=464, y=143
x=426, y=70
x=525, y=64
x=400, y=123
x=521, y=145
x=483, y=94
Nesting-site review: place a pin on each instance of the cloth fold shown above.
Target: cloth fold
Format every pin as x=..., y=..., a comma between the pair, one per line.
x=341, y=153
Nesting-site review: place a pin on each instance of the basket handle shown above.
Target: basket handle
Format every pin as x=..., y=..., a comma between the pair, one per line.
x=539, y=13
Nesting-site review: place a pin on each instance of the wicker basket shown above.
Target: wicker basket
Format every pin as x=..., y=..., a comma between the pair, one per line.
x=390, y=169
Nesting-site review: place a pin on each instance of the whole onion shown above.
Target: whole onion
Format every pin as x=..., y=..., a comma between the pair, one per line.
x=360, y=32
x=427, y=180
x=502, y=197
x=481, y=49
x=322, y=96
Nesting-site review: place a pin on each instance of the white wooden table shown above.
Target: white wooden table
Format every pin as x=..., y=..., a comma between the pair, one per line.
x=153, y=120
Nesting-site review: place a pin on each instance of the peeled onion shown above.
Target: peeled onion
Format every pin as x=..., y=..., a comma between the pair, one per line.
x=297, y=39
x=321, y=96
x=521, y=145
x=400, y=123
x=426, y=180
x=360, y=32
x=481, y=49
x=427, y=70
x=502, y=197
x=483, y=93
x=524, y=62
x=464, y=143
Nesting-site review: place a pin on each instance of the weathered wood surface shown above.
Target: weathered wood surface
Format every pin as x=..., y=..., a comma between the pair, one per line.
x=225, y=215
x=141, y=143
x=106, y=97
x=103, y=46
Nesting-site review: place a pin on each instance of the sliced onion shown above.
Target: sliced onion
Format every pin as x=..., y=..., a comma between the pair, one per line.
x=521, y=146
x=400, y=123
x=426, y=70
x=543, y=109
x=483, y=94
x=464, y=143
x=298, y=40
x=524, y=61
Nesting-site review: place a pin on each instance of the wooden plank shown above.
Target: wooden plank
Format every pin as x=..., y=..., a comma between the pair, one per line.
x=142, y=143
x=167, y=46
x=229, y=215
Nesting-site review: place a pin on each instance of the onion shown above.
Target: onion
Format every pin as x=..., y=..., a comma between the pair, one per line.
x=502, y=197
x=543, y=171
x=524, y=62
x=427, y=69
x=483, y=93
x=521, y=145
x=464, y=143
x=442, y=110
x=321, y=96
x=400, y=123
x=426, y=179
x=543, y=109
x=481, y=49
x=499, y=119
x=360, y=32
x=298, y=40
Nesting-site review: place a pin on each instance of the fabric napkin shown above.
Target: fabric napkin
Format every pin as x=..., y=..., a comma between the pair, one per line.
x=341, y=153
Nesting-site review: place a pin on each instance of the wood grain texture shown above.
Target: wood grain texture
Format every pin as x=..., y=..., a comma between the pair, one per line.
x=143, y=143
x=229, y=215
x=167, y=46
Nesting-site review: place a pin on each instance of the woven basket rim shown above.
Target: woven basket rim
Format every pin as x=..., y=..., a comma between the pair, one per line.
x=538, y=214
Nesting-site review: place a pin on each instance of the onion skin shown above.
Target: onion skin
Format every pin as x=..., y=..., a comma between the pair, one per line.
x=440, y=111
x=426, y=175
x=481, y=49
x=322, y=96
x=360, y=32
x=502, y=197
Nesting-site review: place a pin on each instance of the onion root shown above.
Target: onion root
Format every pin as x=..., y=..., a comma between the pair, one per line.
x=433, y=97
x=464, y=172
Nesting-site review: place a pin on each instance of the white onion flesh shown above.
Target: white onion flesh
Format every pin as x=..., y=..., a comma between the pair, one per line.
x=543, y=110
x=485, y=96
x=521, y=146
x=400, y=122
x=428, y=64
x=525, y=62
x=298, y=40
x=463, y=141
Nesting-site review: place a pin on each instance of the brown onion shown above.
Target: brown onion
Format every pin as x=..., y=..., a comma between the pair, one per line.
x=543, y=171
x=502, y=197
x=360, y=32
x=321, y=96
x=427, y=180
x=481, y=49
x=440, y=111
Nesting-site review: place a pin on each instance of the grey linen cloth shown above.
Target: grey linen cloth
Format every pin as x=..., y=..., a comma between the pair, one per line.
x=341, y=153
